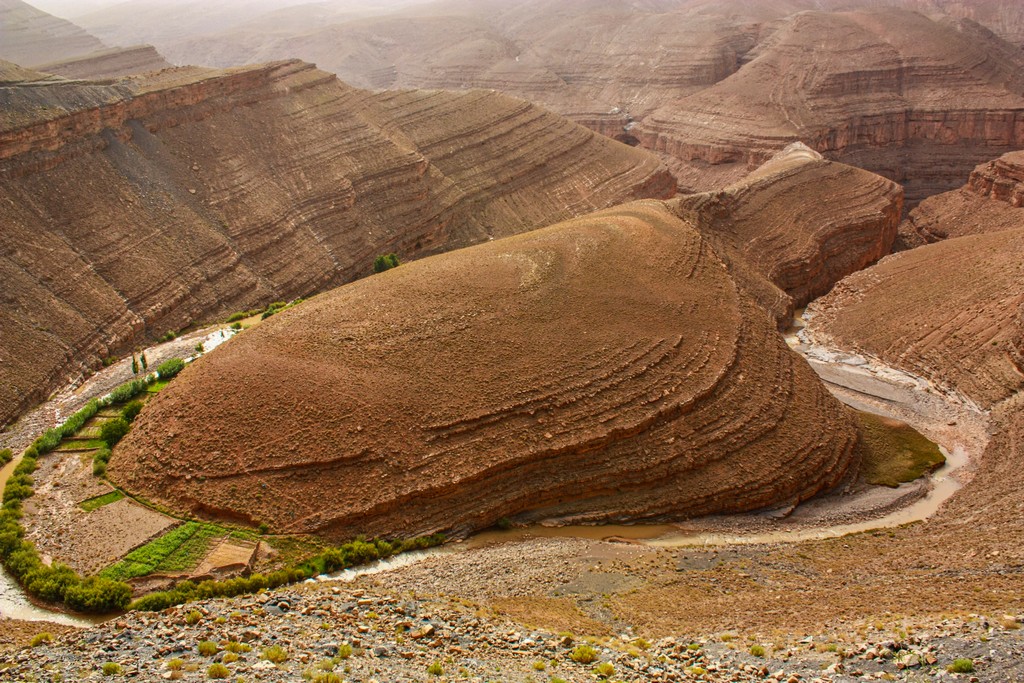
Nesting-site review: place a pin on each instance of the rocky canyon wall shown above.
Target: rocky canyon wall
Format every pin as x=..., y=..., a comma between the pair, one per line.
x=155, y=202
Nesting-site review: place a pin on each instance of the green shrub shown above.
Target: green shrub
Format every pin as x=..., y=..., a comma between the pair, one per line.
x=240, y=315
x=41, y=639
x=217, y=671
x=114, y=430
x=604, y=669
x=193, y=617
x=237, y=647
x=6, y=455
x=435, y=669
x=344, y=651
x=583, y=654
x=199, y=347
x=175, y=664
x=111, y=669
x=757, y=651
x=100, y=459
x=170, y=367
x=961, y=666
x=275, y=654
x=145, y=363
x=170, y=335
x=385, y=262
x=129, y=390
x=208, y=648
x=131, y=411
x=236, y=326
x=230, y=657
x=135, y=365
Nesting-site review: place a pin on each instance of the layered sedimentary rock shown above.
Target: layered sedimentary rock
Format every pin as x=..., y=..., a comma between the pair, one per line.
x=801, y=222
x=916, y=100
x=951, y=311
x=139, y=207
x=29, y=36
x=600, y=369
x=991, y=201
x=717, y=88
x=111, y=63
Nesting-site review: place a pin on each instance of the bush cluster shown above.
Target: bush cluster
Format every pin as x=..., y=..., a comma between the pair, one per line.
x=114, y=430
x=6, y=455
x=100, y=460
x=274, y=308
x=57, y=583
x=170, y=367
x=129, y=390
x=385, y=262
x=350, y=554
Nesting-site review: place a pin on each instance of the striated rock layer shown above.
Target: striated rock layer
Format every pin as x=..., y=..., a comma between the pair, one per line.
x=992, y=200
x=920, y=97
x=142, y=206
x=606, y=368
x=30, y=36
x=800, y=222
x=916, y=100
x=112, y=63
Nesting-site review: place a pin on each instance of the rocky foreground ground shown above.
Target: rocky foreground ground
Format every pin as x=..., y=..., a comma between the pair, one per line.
x=375, y=635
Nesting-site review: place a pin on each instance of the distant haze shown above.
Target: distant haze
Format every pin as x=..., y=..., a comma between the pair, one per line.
x=69, y=9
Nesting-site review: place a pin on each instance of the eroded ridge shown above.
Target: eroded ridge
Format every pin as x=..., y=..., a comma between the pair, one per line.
x=604, y=368
x=801, y=222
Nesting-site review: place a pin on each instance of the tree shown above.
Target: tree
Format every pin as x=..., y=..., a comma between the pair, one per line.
x=145, y=365
x=135, y=364
x=385, y=262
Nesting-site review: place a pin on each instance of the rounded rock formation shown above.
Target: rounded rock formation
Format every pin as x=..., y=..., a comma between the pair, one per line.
x=606, y=368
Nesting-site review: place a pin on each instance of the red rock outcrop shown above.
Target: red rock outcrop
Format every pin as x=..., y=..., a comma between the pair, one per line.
x=991, y=201
x=801, y=222
x=112, y=63
x=606, y=368
x=29, y=36
x=134, y=208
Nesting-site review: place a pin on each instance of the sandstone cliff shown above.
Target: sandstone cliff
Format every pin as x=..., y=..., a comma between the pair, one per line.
x=29, y=36
x=606, y=368
x=991, y=201
x=143, y=206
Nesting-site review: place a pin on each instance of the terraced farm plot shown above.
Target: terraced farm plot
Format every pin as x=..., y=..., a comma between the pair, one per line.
x=99, y=501
x=178, y=550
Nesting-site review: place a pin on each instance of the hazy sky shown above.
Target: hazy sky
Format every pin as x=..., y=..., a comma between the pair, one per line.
x=69, y=9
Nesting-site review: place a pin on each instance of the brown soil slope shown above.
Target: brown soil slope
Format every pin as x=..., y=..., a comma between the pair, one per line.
x=801, y=222
x=604, y=368
x=131, y=209
x=913, y=99
x=953, y=311
x=112, y=63
x=29, y=36
x=992, y=200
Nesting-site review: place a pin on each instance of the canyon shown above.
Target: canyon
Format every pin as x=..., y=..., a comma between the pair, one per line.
x=605, y=213
x=153, y=202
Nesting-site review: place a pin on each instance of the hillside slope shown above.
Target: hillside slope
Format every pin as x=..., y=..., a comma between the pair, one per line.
x=143, y=206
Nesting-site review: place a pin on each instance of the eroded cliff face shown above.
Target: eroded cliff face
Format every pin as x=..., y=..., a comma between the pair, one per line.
x=146, y=205
x=991, y=201
x=606, y=368
x=916, y=100
x=799, y=222
x=920, y=97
